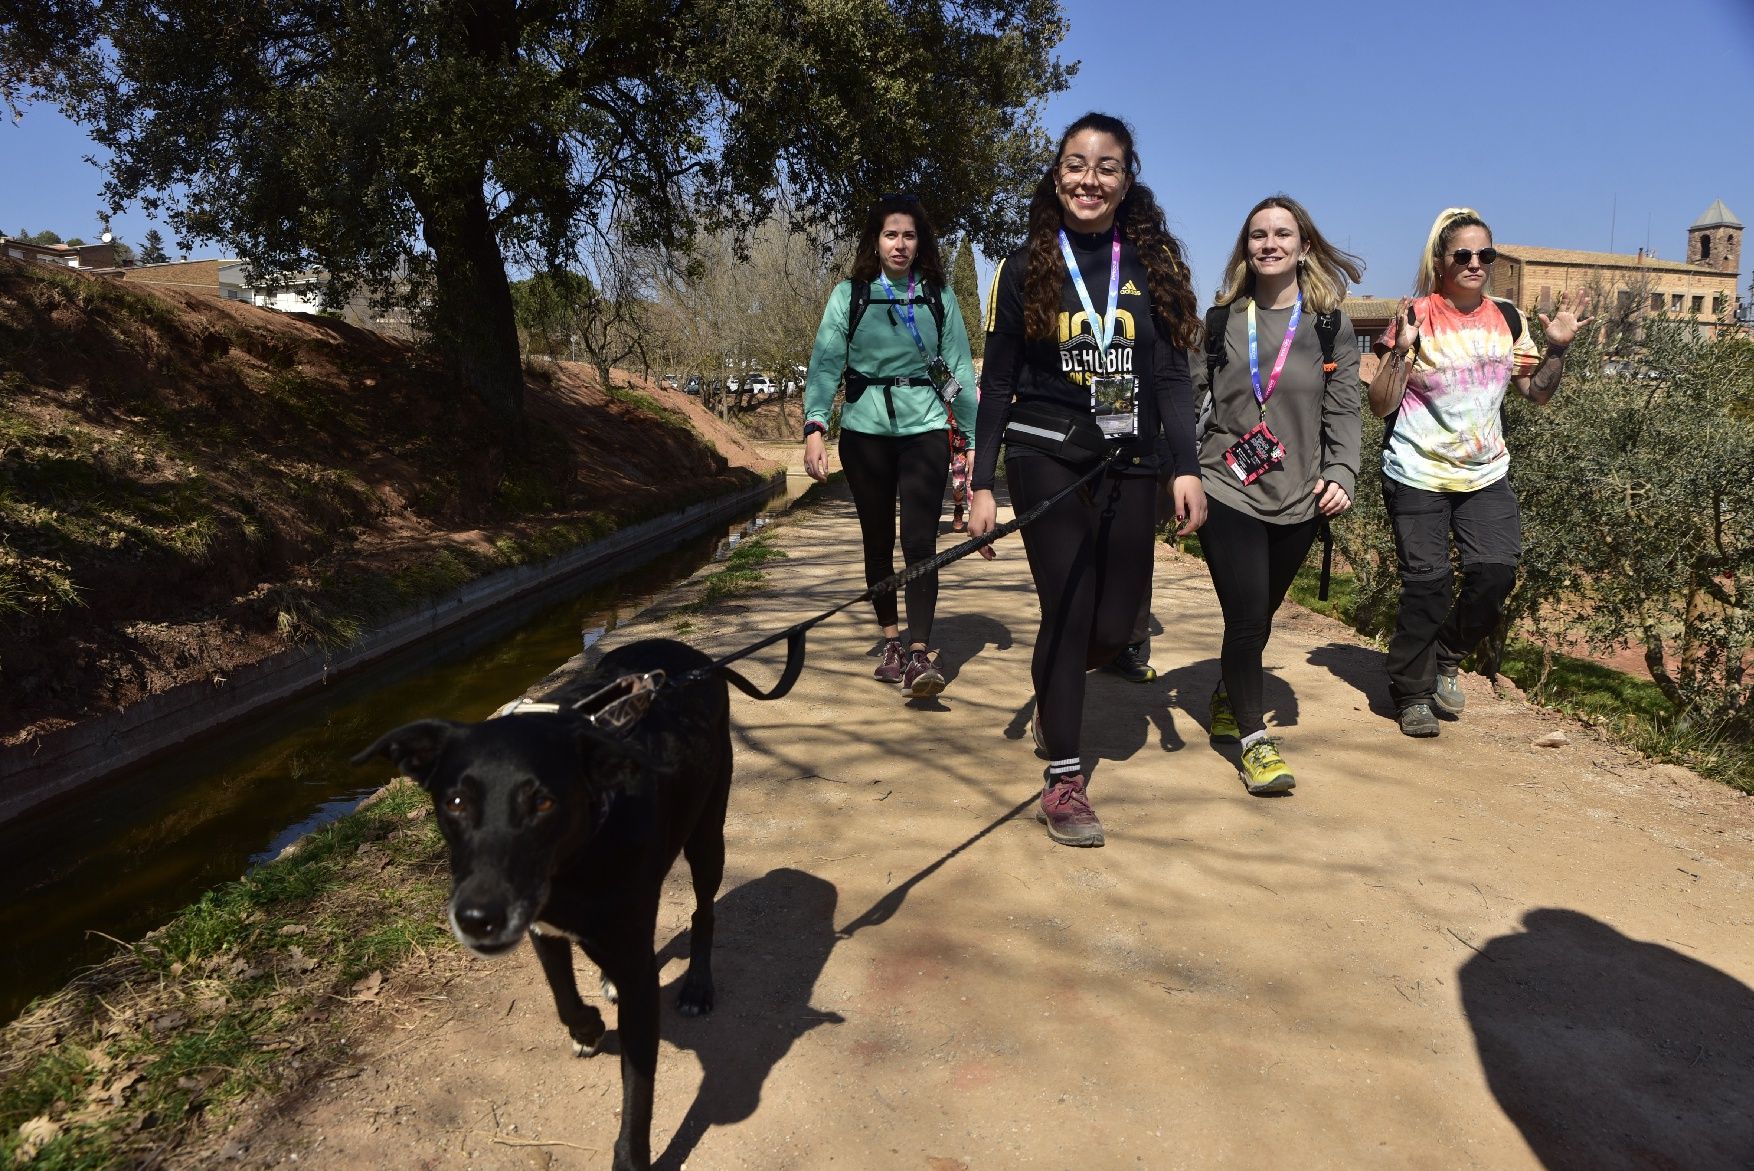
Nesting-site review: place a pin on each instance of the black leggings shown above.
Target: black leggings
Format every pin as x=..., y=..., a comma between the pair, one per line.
x=1090, y=556
x=1252, y=564
x=879, y=468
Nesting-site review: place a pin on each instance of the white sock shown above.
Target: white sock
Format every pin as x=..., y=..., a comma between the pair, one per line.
x=1254, y=738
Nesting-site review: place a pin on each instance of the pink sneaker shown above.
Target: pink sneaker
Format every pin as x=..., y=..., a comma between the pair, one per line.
x=1065, y=810
x=920, y=678
x=894, y=657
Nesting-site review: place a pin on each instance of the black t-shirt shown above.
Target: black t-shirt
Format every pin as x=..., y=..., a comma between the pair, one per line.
x=1059, y=369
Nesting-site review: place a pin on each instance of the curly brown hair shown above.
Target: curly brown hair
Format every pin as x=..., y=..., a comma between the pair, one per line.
x=928, y=261
x=1141, y=220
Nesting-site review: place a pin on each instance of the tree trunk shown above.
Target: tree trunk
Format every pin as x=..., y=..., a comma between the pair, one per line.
x=474, y=325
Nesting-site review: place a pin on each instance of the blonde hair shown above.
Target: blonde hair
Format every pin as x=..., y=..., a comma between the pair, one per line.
x=1449, y=221
x=1321, y=274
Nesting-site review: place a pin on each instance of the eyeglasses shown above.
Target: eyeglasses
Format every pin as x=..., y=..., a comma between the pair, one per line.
x=1463, y=255
x=1108, y=172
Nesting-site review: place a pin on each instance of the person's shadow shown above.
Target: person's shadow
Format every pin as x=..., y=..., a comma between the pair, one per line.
x=1608, y=1052
x=773, y=936
x=1360, y=666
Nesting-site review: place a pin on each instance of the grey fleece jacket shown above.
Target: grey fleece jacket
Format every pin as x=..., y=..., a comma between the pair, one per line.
x=1319, y=424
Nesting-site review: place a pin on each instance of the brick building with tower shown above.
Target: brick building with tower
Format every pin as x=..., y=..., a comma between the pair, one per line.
x=1704, y=286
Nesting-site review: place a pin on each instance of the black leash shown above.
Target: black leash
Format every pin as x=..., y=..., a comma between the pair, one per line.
x=794, y=635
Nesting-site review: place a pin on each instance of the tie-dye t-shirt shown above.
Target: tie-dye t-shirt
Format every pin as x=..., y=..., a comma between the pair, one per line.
x=1447, y=436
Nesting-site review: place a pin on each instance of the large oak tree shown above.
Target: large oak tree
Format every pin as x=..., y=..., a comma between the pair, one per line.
x=439, y=138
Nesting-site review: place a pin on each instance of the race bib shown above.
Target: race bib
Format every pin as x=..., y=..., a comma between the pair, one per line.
x=1255, y=454
x=1114, y=401
x=946, y=383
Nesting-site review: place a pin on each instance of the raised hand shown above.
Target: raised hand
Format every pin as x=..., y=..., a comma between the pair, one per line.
x=1563, y=327
x=1406, y=326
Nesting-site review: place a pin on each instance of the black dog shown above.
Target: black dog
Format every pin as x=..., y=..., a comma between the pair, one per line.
x=563, y=824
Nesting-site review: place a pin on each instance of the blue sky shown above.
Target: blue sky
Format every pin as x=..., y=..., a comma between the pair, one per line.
x=1570, y=126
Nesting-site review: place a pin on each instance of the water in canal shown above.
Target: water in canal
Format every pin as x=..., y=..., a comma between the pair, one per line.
x=119, y=857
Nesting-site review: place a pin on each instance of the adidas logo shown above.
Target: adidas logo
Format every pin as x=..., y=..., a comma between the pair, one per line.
x=1130, y=289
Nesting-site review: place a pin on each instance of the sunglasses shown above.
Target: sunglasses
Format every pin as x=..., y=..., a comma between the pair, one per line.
x=1463, y=255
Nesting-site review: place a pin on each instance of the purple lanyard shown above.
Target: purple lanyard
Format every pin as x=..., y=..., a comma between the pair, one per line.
x=1261, y=396
x=1107, y=335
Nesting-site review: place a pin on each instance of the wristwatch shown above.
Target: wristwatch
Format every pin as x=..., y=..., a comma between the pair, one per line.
x=814, y=428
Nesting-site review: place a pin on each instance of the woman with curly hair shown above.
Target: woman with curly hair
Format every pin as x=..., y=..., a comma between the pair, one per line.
x=1449, y=356
x=1087, y=330
x=893, y=337
x=1279, y=452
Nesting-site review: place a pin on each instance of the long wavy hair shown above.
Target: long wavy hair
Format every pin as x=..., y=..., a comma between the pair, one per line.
x=1449, y=221
x=1322, y=273
x=928, y=261
x=1141, y=221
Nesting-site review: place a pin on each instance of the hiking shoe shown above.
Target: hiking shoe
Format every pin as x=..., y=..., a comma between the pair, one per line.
x=894, y=659
x=1223, y=726
x=1065, y=810
x=1448, y=697
x=1130, y=664
x=1263, y=769
x=920, y=678
x=1417, y=719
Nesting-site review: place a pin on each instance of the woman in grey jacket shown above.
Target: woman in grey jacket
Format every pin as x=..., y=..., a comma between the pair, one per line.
x=1279, y=451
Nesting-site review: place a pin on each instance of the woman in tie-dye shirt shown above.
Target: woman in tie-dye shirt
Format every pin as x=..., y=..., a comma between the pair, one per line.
x=1447, y=359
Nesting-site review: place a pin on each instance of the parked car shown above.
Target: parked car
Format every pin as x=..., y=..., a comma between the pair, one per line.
x=673, y=381
x=692, y=386
x=761, y=386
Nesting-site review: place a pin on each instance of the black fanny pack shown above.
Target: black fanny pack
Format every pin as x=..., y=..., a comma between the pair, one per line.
x=1059, y=431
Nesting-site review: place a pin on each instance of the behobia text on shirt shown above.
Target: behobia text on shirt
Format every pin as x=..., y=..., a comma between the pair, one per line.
x=1080, y=363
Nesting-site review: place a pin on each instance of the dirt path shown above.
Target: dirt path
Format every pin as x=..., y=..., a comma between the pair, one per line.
x=1466, y=952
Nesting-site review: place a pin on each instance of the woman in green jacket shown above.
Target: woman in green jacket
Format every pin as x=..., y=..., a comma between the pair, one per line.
x=893, y=338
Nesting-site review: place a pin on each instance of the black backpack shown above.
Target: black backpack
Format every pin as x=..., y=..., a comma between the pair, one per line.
x=1327, y=327
x=855, y=382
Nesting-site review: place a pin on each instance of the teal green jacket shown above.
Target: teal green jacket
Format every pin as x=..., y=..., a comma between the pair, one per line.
x=883, y=348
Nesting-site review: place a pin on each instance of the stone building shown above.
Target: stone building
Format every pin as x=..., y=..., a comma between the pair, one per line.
x=1705, y=285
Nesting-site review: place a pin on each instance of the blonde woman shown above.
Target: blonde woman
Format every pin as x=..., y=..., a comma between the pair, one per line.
x=1279, y=450
x=1448, y=358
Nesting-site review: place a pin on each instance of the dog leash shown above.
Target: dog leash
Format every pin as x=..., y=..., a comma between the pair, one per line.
x=615, y=708
x=794, y=634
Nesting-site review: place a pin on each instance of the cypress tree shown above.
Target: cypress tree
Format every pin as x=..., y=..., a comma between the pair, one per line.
x=966, y=285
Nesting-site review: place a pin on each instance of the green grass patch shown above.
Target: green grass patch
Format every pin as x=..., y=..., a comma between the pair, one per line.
x=226, y=998
x=741, y=573
x=640, y=401
x=1631, y=709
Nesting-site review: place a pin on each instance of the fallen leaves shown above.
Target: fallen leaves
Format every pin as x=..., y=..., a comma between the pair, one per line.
x=34, y=1135
x=296, y=960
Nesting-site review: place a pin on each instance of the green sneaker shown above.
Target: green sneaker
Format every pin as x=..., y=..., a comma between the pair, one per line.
x=1263, y=769
x=1223, y=729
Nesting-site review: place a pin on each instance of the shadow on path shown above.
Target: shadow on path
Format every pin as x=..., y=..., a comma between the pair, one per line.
x=1608, y=1052
x=1360, y=666
x=775, y=934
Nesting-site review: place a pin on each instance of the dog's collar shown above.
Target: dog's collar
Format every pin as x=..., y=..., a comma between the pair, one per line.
x=525, y=707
